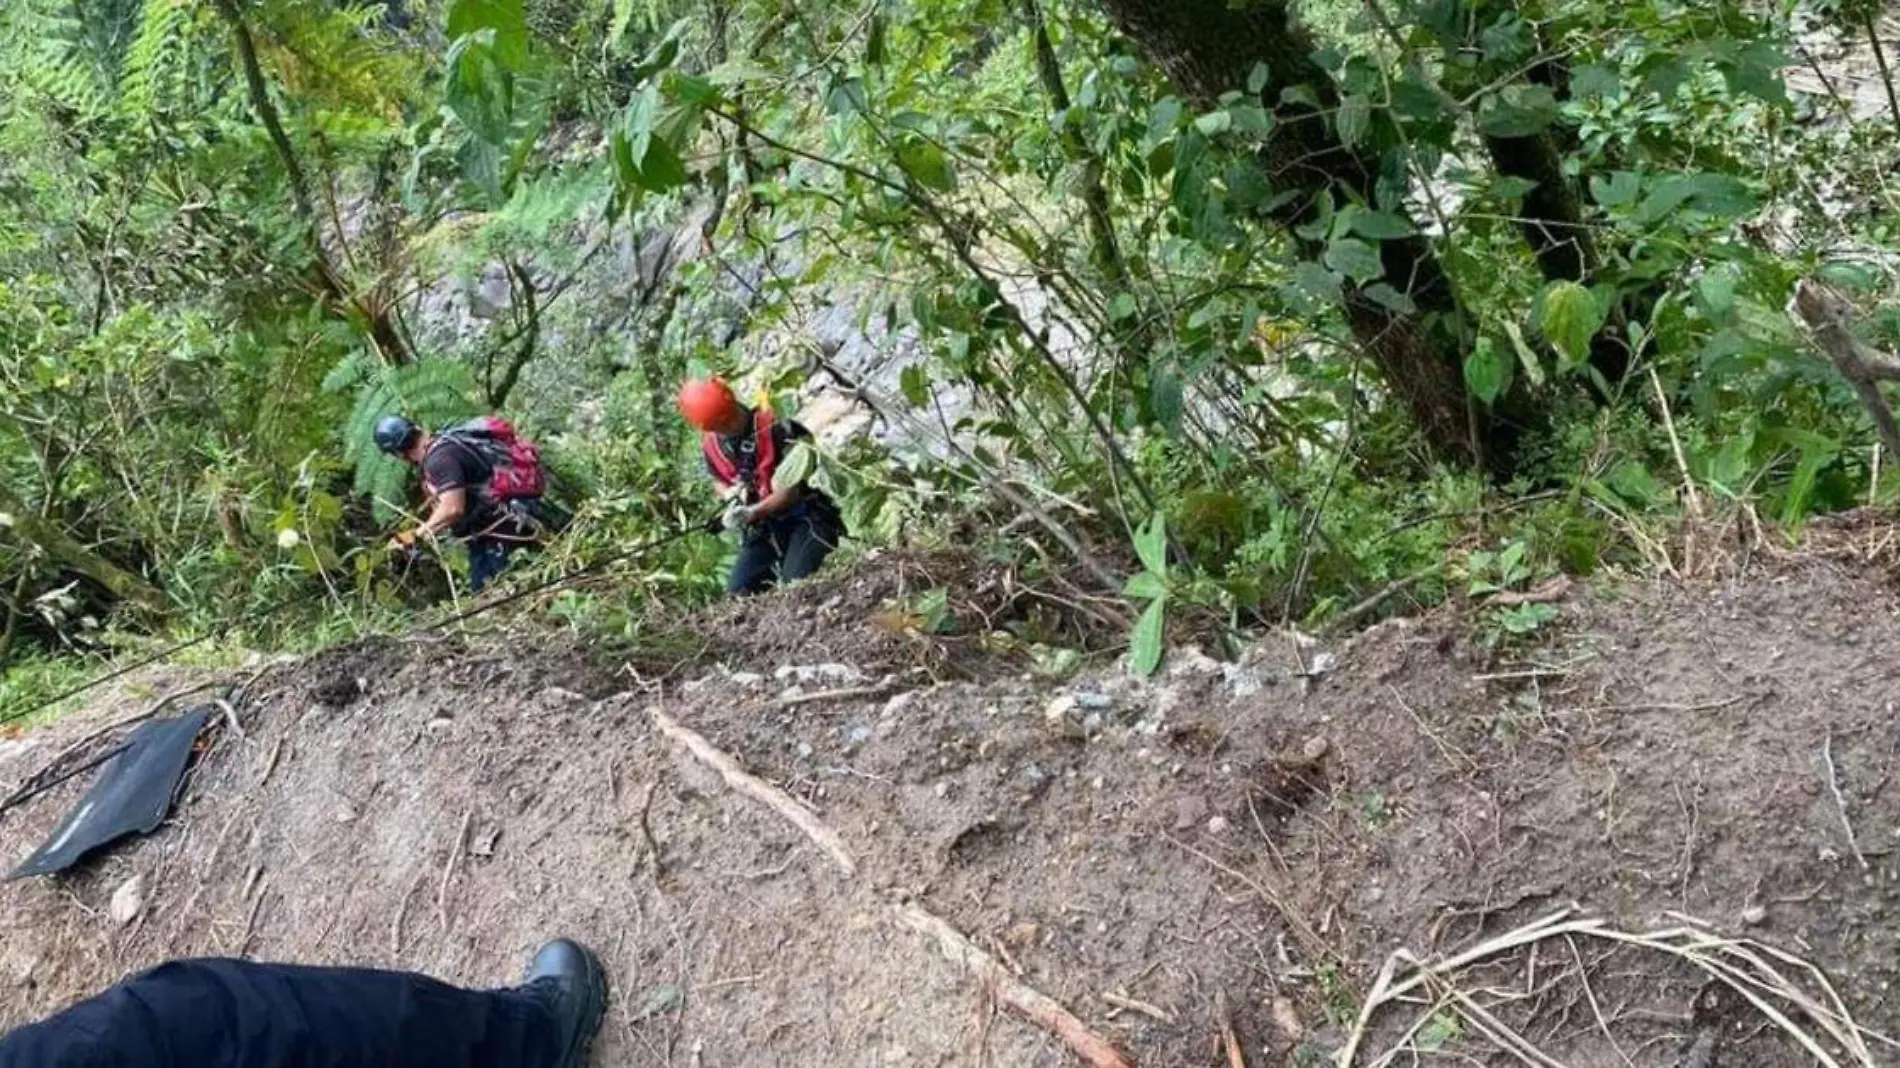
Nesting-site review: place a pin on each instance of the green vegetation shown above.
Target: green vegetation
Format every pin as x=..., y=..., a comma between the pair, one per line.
x=1320, y=296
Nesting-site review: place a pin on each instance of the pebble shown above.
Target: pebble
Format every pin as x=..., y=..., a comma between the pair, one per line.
x=1754, y=915
x=857, y=735
x=1058, y=709
x=1218, y=825
x=747, y=678
x=804, y=750
x=1315, y=748
x=128, y=900
x=1094, y=701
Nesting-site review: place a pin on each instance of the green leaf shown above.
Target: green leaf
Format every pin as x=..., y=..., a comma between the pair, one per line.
x=1510, y=187
x=700, y=92
x=1519, y=111
x=1144, y=646
x=505, y=17
x=926, y=164
x=915, y=382
x=1385, y=296
x=1257, y=78
x=1353, y=120
x=1757, y=72
x=1151, y=544
x=1526, y=356
x=1146, y=585
x=1713, y=194
x=1622, y=188
x=1485, y=371
x=1354, y=258
x=1122, y=307
x=1214, y=122
x=1594, y=80
x=1571, y=317
x=1316, y=282
x=846, y=98
x=1382, y=225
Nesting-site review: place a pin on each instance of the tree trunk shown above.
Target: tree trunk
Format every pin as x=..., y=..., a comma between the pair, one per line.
x=1208, y=48
x=46, y=535
x=1553, y=222
x=336, y=292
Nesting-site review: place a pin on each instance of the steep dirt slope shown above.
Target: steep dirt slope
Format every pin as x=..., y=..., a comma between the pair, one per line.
x=1259, y=834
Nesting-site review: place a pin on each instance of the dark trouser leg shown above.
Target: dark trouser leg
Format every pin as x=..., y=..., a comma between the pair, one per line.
x=236, y=1014
x=487, y=558
x=756, y=570
x=807, y=542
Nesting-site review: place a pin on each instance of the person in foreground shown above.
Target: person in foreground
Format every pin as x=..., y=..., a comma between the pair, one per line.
x=238, y=1014
x=762, y=466
x=482, y=483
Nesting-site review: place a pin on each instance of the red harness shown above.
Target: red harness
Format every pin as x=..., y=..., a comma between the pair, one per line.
x=764, y=456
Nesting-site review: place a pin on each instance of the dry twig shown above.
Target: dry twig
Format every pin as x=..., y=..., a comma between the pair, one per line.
x=448, y=870
x=758, y=789
x=1840, y=800
x=1023, y=1000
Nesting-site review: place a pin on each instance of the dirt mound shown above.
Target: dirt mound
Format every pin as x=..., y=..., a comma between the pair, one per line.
x=1258, y=835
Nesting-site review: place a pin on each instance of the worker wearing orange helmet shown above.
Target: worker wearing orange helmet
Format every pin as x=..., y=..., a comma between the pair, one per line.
x=762, y=465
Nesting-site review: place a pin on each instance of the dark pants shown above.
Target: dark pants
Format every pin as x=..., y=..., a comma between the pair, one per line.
x=487, y=559
x=783, y=550
x=236, y=1014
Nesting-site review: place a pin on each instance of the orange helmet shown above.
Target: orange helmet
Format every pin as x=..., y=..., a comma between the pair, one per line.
x=708, y=403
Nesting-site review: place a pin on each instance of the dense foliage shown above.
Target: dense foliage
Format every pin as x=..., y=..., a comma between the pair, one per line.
x=1319, y=297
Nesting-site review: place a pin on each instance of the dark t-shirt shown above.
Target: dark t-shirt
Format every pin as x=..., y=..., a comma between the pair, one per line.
x=449, y=465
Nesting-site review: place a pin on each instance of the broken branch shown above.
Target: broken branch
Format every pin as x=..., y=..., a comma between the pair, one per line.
x=794, y=811
x=1019, y=998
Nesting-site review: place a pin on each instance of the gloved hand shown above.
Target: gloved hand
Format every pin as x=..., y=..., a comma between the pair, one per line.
x=405, y=541
x=739, y=516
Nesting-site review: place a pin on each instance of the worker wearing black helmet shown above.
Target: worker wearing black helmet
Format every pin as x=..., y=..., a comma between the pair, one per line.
x=482, y=483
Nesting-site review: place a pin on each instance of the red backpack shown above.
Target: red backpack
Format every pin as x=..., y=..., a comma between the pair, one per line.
x=513, y=462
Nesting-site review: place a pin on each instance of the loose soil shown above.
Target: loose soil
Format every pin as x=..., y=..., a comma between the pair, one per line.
x=1260, y=834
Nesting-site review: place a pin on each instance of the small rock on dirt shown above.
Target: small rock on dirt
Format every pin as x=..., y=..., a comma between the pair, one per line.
x=128, y=901
x=1315, y=749
x=1754, y=915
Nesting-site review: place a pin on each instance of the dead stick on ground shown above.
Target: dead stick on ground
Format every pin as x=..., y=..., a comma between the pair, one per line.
x=402, y=910
x=1236, y=1057
x=1026, y=1002
x=758, y=789
x=448, y=870
x=1123, y=1001
x=654, y=865
x=1840, y=800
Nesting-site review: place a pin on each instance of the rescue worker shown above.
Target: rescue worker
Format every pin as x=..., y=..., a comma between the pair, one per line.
x=241, y=1014
x=482, y=483
x=761, y=465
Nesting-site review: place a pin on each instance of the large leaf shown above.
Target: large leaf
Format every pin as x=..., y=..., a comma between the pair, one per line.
x=1713, y=194
x=1151, y=544
x=1144, y=645
x=1486, y=369
x=478, y=91
x=505, y=17
x=926, y=163
x=1572, y=315
x=1354, y=258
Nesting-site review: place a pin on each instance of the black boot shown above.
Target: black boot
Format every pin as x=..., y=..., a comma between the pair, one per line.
x=570, y=977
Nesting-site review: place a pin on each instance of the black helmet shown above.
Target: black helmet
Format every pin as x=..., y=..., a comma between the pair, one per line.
x=394, y=434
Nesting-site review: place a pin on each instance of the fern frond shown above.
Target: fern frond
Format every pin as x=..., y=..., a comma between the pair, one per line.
x=433, y=393
x=152, y=73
